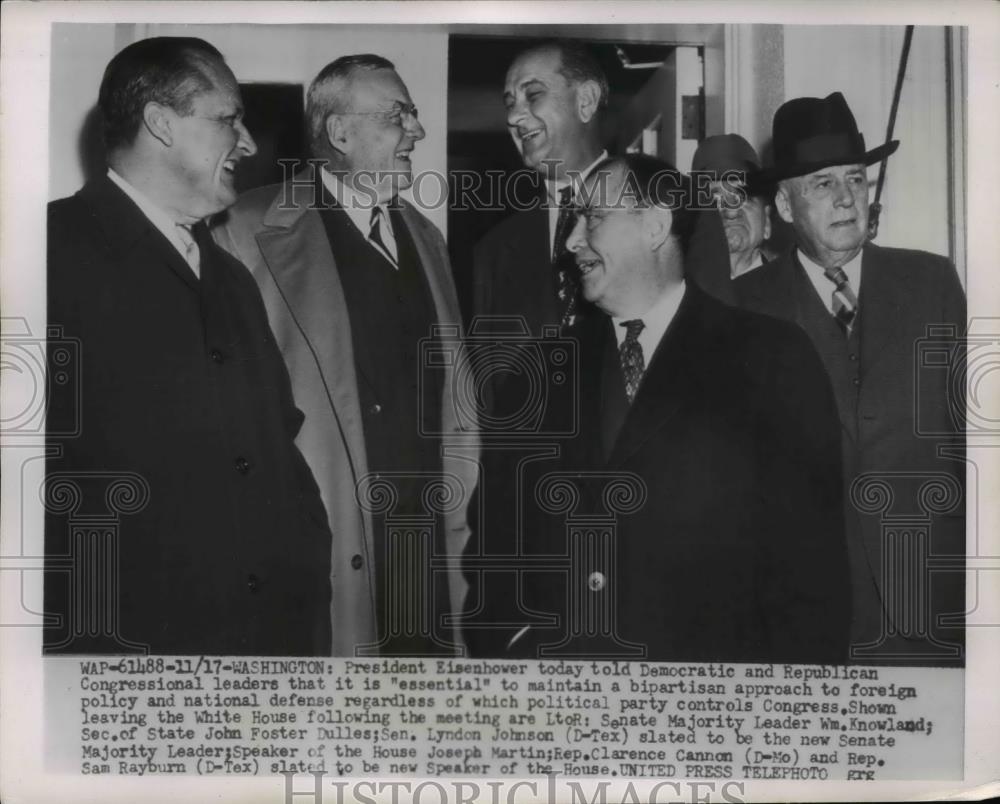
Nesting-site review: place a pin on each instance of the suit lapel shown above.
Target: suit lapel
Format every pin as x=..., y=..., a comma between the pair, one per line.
x=668, y=374
x=770, y=291
x=295, y=246
x=128, y=230
x=528, y=286
x=880, y=301
x=435, y=266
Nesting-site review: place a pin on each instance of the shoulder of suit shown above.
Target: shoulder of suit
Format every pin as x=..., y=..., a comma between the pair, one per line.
x=64, y=214
x=253, y=204
x=905, y=258
x=509, y=228
x=72, y=224
x=748, y=325
x=415, y=216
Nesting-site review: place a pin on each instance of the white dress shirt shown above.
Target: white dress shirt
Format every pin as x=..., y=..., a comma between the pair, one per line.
x=656, y=319
x=758, y=261
x=358, y=207
x=157, y=216
x=824, y=287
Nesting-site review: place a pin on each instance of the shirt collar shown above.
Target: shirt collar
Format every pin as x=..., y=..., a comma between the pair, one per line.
x=818, y=275
x=358, y=206
x=657, y=318
x=552, y=188
x=156, y=214
x=149, y=208
x=757, y=262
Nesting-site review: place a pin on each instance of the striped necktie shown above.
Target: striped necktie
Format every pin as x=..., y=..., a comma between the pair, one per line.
x=630, y=353
x=845, y=302
x=375, y=236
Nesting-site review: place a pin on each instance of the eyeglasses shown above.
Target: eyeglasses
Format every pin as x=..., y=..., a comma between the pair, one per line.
x=399, y=114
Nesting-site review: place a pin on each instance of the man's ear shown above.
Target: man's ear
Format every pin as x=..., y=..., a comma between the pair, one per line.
x=656, y=226
x=588, y=96
x=337, y=134
x=158, y=120
x=781, y=203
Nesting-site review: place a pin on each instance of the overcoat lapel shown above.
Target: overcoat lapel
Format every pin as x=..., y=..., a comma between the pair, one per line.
x=442, y=290
x=883, y=297
x=669, y=373
x=127, y=229
x=298, y=255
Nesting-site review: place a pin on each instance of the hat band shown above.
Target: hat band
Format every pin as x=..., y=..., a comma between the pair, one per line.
x=830, y=146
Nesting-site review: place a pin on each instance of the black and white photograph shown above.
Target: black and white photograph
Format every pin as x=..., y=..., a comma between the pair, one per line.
x=432, y=399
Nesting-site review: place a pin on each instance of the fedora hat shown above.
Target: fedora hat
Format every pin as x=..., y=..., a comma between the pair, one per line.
x=813, y=133
x=725, y=153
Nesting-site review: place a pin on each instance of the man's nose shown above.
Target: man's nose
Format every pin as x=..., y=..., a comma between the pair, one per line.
x=515, y=113
x=843, y=194
x=415, y=130
x=245, y=142
x=577, y=238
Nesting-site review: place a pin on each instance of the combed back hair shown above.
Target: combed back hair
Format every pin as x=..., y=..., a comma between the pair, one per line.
x=169, y=70
x=655, y=182
x=327, y=90
x=577, y=64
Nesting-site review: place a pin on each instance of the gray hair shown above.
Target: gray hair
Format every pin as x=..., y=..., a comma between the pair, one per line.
x=327, y=91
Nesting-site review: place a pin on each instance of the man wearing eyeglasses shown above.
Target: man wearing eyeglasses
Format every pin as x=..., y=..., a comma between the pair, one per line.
x=734, y=550
x=353, y=278
x=186, y=423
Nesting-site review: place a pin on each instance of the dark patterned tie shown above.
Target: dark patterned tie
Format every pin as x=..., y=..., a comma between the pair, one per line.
x=562, y=260
x=630, y=353
x=845, y=303
x=375, y=236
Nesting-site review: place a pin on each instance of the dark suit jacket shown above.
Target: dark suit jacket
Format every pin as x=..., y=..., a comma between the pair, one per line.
x=222, y=544
x=737, y=551
x=894, y=416
x=513, y=277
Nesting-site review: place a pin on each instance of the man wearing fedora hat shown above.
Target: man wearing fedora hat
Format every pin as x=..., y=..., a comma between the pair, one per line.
x=866, y=309
x=732, y=168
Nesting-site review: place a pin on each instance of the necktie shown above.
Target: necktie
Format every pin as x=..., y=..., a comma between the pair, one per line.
x=375, y=236
x=630, y=353
x=192, y=254
x=845, y=303
x=562, y=260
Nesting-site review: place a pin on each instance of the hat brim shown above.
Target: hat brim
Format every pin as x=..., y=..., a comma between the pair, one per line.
x=778, y=172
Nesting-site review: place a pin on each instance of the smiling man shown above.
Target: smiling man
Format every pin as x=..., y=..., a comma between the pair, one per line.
x=353, y=278
x=554, y=94
x=186, y=419
x=866, y=308
x=726, y=417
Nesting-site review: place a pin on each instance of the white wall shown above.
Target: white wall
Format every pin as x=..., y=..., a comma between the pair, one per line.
x=862, y=63
x=769, y=64
x=79, y=56
x=275, y=53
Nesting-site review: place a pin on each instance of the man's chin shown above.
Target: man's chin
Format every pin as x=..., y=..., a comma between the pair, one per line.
x=848, y=240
